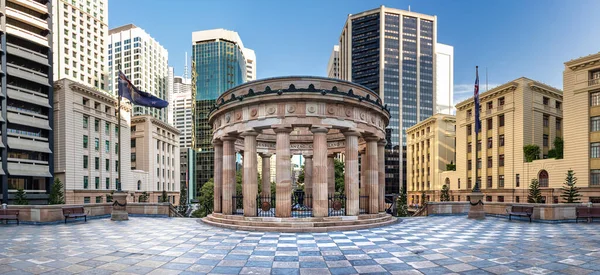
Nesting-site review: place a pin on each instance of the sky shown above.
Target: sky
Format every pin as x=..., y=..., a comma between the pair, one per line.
x=511, y=38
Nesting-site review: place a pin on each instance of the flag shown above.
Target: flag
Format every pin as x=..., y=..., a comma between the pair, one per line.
x=476, y=99
x=137, y=97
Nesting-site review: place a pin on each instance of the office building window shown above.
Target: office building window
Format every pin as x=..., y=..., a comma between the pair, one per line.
x=500, y=198
x=96, y=163
x=107, y=128
x=86, y=200
x=489, y=182
x=490, y=143
x=546, y=101
x=116, y=166
x=458, y=183
x=558, y=105
x=501, y=160
x=595, y=124
x=133, y=143
x=479, y=145
x=501, y=121
x=517, y=199
x=469, y=130
x=517, y=180
x=469, y=113
x=500, y=181
x=479, y=163
x=97, y=125
x=490, y=124
x=97, y=183
x=489, y=162
x=107, y=164
x=490, y=105
x=99, y=199
x=595, y=99
x=469, y=164
x=107, y=146
x=501, y=101
x=97, y=144
x=85, y=162
x=546, y=120
x=85, y=142
x=85, y=121
x=558, y=124
x=595, y=177
x=545, y=140
x=501, y=140
x=469, y=147
x=85, y=182
x=543, y=178
x=595, y=150
x=107, y=183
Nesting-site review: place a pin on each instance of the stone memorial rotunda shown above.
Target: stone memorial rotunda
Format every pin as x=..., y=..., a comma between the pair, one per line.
x=310, y=116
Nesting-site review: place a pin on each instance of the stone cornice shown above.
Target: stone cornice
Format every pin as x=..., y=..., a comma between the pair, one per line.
x=502, y=89
x=547, y=90
x=98, y=95
x=582, y=62
x=139, y=119
x=431, y=120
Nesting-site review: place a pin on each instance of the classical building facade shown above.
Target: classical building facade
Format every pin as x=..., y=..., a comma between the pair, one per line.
x=333, y=66
x=310, y=116
x=392, y=52
x=79, y=38
x=26, y=99
x=155, y=149
x=86, y=147
x=431, y=146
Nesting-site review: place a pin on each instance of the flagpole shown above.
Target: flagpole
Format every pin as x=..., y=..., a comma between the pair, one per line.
x=119, y=138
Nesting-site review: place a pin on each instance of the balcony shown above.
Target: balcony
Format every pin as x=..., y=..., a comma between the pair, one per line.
x=34, y=5
x=26, y=144
x=27, y=54
x=27, y=74
x=593, y=82
x=27, y=119
x=26, y=168
x=27, y=35
x=26, y=18
x=27, y=95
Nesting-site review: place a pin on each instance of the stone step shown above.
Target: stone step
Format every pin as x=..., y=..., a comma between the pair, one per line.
x=296, y=223
x=274, y=228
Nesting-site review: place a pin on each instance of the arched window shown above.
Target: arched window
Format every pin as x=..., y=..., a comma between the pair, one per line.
x=543, y=178
x=139, y=185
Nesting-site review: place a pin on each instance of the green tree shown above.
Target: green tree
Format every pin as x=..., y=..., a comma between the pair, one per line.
x=531, y=152
x=273, y=189
x=143, y=197
x=164, y=197
x=206, y=199
x=56, y=194
x=402, y=205
x=423, y=198
x=300, y=179
x=445, y=196
x=339, y=176
x=183, y=195
x=535, y=194
x=109, y=197
x=558, y=147
x=451, y=166
x=570, y=192
x=21, y=197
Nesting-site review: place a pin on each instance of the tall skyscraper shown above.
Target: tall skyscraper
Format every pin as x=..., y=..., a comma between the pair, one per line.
x=26, y=90
x=250, y=57
x=333, y=66
x=79, y=35
x=182, y=102
x=219, y=64
x=444, y=82
x=391, y=51
x=143, y=60
x=170, y=79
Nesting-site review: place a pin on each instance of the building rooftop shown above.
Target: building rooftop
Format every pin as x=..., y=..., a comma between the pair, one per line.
x=122, y=28
x=440, y=245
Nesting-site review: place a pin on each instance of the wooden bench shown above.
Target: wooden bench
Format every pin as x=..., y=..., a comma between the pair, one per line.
x=74, y=212
x=9, y=215
x=523, y=211
x=588, y=213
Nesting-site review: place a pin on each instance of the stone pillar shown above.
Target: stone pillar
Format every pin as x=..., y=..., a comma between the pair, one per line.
x=228, y=174
x=250, y=184
x=266, y=175
x=363, y=172
x=381, y=176
x=308, y=174
x=218, y=175
x=119, y=208
x=319, y=172
x=372, y=175
x=351, y=173
x=330, y=174
x=283, y=196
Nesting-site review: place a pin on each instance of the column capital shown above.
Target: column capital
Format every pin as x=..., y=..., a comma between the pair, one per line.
x=351, y=132
x=282, y=128
x=382, y=142
x=308, y=156
x=265, y=155
x=217, y=142
x=229, y=138
x=371, y=139
x=330, y=155
x=319, y=129
x=250, y=132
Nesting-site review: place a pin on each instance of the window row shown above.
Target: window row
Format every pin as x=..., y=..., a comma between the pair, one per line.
x=107, y=183
x=97, y=144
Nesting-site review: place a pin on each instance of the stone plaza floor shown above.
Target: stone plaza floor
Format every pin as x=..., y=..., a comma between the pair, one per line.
x=432, y=245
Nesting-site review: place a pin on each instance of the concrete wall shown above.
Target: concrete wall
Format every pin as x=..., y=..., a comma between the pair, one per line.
x=546, y=212
x=39, y=214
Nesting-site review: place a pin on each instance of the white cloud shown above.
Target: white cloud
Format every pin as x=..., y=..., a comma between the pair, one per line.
x=464, y=91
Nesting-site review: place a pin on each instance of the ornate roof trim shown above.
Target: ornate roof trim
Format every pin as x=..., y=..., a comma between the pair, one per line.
x=582, y=62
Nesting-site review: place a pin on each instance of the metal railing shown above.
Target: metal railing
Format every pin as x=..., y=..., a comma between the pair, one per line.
x=265, y=206
x=301, y=205
x=363, y=204
x=336, y=205
x=593, y=81
x=237, y=205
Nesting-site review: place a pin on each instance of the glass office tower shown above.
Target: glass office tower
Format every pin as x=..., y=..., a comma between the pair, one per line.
x=391, y=51
x=219, y=66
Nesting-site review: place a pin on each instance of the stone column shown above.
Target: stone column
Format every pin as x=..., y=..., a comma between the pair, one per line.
x=283, y=190
x=308, y=174
x=381, y=175
x=319, y=172
x=363, y=172
x=372, y=175
x=266, y=175
x=330, y=174
x=351, y=173
x=218, y=175
x=250, y=184
x=228, y=174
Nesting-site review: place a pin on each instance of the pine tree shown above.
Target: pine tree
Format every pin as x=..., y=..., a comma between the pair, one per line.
x=56, y=194
x=401, y=205
x=21, y=197
x=535, y=195
x=445, y=196
x=570, y=192
x=183, y=196
x=423, y=199
x=143, y=197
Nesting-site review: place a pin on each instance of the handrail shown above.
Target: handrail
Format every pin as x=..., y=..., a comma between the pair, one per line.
x=421, y=210
x=595, y=81
x=173, y=212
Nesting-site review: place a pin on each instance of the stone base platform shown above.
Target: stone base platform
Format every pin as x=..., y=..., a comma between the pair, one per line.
x=294, y=225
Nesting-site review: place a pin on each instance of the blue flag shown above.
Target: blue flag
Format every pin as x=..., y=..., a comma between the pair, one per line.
x=476, y=99
x=137, y=97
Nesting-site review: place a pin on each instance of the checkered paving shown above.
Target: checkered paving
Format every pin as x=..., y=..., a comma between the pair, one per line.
x=432, y=245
